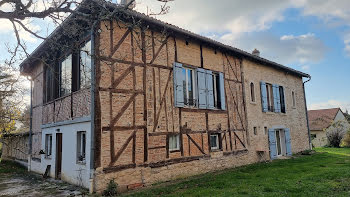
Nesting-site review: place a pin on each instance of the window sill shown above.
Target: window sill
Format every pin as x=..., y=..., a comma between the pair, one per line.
x=215, y=150
x=47, y=158
x=83, y=163
x=253, y=103
x=174, y=151
x=195, y=109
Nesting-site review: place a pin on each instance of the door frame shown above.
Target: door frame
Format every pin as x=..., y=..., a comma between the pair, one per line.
x=282, y=142
x=58, y=166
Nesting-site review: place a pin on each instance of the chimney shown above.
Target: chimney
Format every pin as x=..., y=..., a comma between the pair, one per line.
x=256, y=52
x=126, y=2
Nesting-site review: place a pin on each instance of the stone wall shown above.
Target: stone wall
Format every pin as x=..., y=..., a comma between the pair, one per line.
x=294, y=118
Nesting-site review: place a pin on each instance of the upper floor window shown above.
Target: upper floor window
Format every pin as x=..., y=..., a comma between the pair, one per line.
x=189, y=86
x=66, y=76
x=293, y=99
x=272, y=98
x=198, y=88
x=85, y=65
x=70, y=74
x=283, y=104
x=252, y=92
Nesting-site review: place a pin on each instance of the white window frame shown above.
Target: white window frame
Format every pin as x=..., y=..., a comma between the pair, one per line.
x=80, y=144
x=215, y=91
x=48, y=146
x=177, y=138
x=217, y=147
x=194, y=87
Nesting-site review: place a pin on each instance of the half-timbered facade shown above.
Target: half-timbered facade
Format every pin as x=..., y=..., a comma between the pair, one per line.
x=161, y=103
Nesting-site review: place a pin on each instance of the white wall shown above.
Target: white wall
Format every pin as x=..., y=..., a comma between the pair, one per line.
x=72, y=171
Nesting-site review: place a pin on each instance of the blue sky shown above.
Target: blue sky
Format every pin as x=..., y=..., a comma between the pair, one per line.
x=311, y=36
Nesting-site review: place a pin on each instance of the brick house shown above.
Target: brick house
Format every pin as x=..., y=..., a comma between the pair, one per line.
x=179, y=105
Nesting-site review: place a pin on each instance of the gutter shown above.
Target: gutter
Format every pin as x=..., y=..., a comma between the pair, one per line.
x=307, y=115
x=30, y=126
x=92, y=112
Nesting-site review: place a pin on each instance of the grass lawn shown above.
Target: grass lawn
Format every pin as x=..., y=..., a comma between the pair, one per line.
x=326, y=173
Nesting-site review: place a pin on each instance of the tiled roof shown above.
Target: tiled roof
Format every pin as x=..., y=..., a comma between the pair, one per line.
x=321, y=119
x=182, y=31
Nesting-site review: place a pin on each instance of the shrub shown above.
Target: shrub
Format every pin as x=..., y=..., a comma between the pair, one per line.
x=111, y=189
x=346, y=140
x=335, y=134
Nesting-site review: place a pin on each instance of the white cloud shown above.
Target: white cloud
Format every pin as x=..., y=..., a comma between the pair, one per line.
x=331, y=104
x=287, y=49
x=347, y=44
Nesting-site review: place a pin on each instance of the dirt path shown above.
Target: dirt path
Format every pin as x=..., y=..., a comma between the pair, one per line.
x=30, y=184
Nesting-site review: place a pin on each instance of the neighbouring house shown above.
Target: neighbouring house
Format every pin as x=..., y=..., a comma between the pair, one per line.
x=154, y=102
x=320, y=121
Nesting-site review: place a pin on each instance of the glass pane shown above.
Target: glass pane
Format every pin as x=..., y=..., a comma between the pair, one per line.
x=213, y=141
x=85, y=65
x=66, y=76
x=184, y=85
x=278, y=140
x=190, y=87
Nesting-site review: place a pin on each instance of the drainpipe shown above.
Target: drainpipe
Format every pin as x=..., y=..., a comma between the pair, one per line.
x=30, y=125
x=92, y=112
x=307, y=116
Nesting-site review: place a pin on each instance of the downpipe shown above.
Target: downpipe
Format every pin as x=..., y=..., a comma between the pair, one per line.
x=307, y=115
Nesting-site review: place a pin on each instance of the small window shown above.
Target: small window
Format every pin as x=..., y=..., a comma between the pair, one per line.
x=313, y=136
x=293, y=99
x=215, y=141
x=85, y=65
x=270, y=101
x=282, y=103
x=66, y=76
x=189, y=87
x=48, y=145
x=255, y=131
x=265, y=129
x=81, y=146
x=252, y=92
x=174, y=142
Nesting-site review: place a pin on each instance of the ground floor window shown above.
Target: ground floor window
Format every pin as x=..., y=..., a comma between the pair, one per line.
x=48, y=145
x=81, y=146
x=174, y=142
x=215, y=141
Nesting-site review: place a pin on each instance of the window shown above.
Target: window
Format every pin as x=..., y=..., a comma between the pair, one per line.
x=215, y=141
x=272, y=98
x=174, y=142
x=48, y=145
x=216, y=91
x=293, y=99
x=49, y=80
x=270, y=101
x=265, y=129
x=66, y=76
x=189, y=87
x=252, y=92
x=85, y=65
x=282, y=102
x=81, y=146
x=198, y=87
x=255, y=131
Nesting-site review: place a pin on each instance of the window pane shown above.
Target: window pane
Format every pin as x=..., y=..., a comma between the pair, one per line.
x=85, y=65
x=66, y=76
x=190, y=87
x=213, y=141
x=184, y=85
x=174, y=142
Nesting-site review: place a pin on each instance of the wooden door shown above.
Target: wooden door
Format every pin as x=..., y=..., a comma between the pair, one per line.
x=58, y=155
